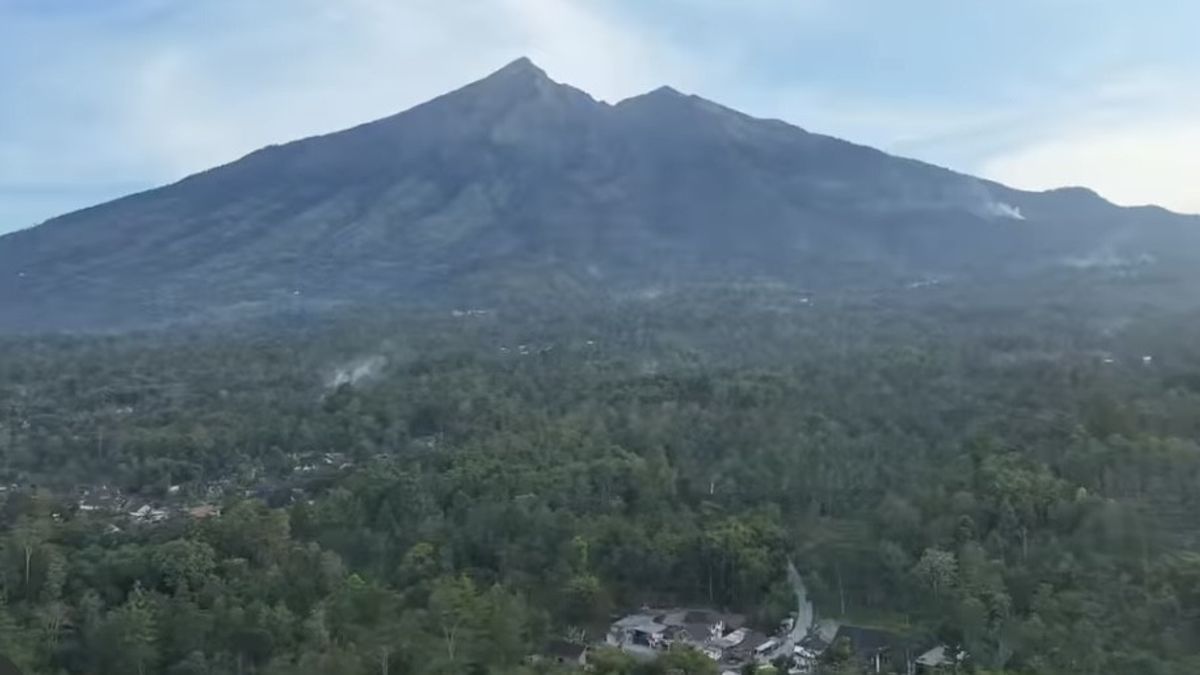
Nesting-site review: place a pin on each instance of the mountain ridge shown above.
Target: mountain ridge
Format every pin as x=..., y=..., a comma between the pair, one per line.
x=516, y=180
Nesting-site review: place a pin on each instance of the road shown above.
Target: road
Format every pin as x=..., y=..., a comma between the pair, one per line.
x=804, y=616
x=804, y=606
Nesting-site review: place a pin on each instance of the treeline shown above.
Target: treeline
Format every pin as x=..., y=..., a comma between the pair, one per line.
x=1019, y=488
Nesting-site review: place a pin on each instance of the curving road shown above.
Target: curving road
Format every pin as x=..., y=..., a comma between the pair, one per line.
x=804, y=616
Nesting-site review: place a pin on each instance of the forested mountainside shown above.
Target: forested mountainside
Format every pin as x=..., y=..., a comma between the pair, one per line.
x=448, y=492
x=517, y=188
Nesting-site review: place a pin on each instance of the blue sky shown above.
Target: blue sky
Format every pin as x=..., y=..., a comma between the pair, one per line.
x=99, y=98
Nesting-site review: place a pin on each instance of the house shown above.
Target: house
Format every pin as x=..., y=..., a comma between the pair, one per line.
x=939, y=657
x=731, y=640
x=204, y=511
x=216, y=491
x=680, y=635
x=100, y=498
x=808, y=651
x=566, y=653
x=698, y=627
x=706, y=630
x=814, y=643
x=748, y=649
x=763, y=651
x=877, y=648
x=638, y=634
x=690, y=635
x=148, y=514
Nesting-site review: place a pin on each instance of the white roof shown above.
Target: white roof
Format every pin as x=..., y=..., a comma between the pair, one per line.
x=934, y=657
x=732, y=640
x=641, y=622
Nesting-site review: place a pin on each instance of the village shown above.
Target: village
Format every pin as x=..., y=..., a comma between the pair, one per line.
x=727, y=640
x=796, y=646
x=201, y=500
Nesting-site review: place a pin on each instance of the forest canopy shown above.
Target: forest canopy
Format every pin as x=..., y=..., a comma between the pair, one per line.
x=446, y=493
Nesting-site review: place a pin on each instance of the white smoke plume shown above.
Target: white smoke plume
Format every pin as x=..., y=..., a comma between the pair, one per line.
x=357, y=370
x=981, y=201
x=1108, y=259
x=1001, y=210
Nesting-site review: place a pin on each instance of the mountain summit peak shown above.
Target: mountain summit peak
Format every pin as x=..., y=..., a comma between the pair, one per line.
x=520, y=67
x=520, y=83
x=666, y=91
x=520, y=75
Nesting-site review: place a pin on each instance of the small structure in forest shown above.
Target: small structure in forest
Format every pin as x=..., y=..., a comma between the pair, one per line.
x=877, y=648
x=203, y=511
x=566, y=653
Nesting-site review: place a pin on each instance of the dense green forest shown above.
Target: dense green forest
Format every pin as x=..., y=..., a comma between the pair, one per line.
x=444, y=493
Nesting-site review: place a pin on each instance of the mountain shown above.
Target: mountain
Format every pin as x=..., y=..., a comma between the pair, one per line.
x=516, y=186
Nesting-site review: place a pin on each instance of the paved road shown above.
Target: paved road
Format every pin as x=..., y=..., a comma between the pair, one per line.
x=804, y=616
x=804, y=606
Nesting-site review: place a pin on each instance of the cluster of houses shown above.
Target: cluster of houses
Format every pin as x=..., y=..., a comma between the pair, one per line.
x=200, y=501
x=527, y=350
x=722, y=637
x=326, y=460
x=461, y=313
x=726, y=639
x=887, y=652
x=110, y=500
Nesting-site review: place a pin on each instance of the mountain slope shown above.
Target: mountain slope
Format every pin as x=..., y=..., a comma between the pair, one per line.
x=516, y=184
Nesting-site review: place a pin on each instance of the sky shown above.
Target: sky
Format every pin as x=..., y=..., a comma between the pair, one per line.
x=100, y=98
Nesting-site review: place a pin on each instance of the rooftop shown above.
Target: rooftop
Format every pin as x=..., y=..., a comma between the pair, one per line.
x=561, y=649
x=867, y=642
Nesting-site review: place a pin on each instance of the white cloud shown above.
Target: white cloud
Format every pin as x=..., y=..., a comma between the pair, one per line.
x=1134, y=163
x=152, y=91
x=367, y=59
x=1135, y=140
x=271, y=72
x=1133, y=136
